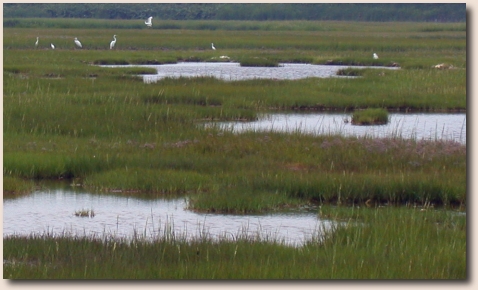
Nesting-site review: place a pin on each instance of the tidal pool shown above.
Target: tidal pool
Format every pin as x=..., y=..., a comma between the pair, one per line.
x=232, y=71
x=53, y=212
x=420, y=126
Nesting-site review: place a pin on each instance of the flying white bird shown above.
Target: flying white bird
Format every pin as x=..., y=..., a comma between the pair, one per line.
x=149, y=22
x=36, y=43
x=212, y=45
x=375, y=56
x=77, y=42
x=112, y=44
x=52, y=46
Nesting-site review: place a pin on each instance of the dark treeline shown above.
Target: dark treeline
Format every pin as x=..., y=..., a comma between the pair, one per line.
x=423, y=12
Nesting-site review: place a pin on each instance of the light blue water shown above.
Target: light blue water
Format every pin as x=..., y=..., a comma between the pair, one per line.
x=232, y=71
x=420, y=126
x=53, y=211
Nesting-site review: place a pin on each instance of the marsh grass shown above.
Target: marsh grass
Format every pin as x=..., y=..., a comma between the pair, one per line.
x=350, y=72
x=242, y=201
x=365, y=243
x=259, y=62
x=16, y=187
x=65, y=117
x=151, y=181
x=370, y=116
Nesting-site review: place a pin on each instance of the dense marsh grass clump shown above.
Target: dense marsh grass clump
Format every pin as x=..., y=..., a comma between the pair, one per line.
x=256, y=61
x=370, y=117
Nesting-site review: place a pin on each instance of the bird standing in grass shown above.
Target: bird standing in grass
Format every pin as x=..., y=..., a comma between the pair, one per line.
x=78, y=43
x=112, y=44
x=149, y=22
x=375, y=56
x=36, y=43
x=52, y=46
x=212, y=45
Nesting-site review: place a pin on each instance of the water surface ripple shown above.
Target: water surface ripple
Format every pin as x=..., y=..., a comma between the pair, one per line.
x=123, y=217
x=233, y=71
x=420, y=126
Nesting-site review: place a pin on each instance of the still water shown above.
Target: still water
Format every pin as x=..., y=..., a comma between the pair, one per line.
x=232, y=71
x=53, y=211
x=420, y=126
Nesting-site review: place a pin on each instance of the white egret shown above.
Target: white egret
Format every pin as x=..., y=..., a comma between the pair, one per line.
x=375, y=56
x=77, y=42
x=36, y=43
x=112, y=44
x=52, y=46
x=212, y=45
x=149, y=22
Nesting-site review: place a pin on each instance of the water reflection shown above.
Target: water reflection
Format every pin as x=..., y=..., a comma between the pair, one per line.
x=232, y=71
x=54, y=212
x=407, y=125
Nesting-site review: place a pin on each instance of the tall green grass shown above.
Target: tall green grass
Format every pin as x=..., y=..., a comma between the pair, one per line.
x=370, y=117
x=379, y=243
x=65, y=117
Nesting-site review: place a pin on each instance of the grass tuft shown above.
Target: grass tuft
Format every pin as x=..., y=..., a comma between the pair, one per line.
x=370, y=117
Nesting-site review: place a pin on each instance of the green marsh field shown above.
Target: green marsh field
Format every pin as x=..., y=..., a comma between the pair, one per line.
x=400, y=201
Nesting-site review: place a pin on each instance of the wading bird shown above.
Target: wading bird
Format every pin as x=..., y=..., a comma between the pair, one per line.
x=36, y=43
x=212, y=45
x=112, y=44
x=77, y=42
x=375, y=56
x=52, y=46
x=149, y=22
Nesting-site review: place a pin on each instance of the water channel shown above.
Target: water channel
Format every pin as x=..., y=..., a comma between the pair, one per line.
x=419, y=126
x=53, y=211
x=233, y=71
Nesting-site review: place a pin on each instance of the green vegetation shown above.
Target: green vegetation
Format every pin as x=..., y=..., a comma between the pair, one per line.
x=241, y=11
x=66, y=117
x=370, y=117
x=350, y=72
x=257, y=61
x=15, y=187
x=378, y=243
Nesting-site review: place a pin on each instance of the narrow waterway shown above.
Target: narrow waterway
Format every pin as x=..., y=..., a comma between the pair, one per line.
x=420, y=126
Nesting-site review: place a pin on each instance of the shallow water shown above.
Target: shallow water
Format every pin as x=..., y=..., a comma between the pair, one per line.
x=53, y=211
x=232, y=71
x=420, y=126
